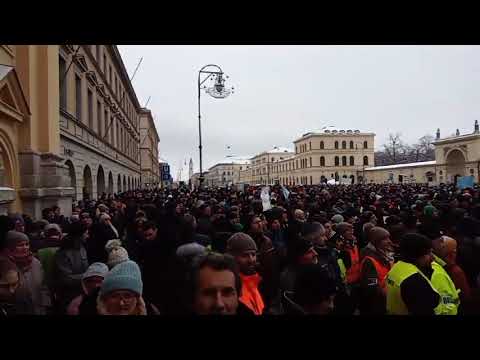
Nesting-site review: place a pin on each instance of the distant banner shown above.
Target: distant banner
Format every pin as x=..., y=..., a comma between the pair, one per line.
x=465, y=182
x=285, y=192
x=265, y=196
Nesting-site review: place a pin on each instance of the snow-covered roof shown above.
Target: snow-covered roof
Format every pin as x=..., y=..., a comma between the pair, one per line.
x=279, y=150
x=333, y=130
x=397, y=166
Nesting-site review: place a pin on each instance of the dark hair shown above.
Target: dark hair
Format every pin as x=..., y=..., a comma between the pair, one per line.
x=313, y=285
x=149, y=225
x=218, y=262
x=413, y=246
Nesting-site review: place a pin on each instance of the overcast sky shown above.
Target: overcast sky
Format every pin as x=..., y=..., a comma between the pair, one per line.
x=282, y=92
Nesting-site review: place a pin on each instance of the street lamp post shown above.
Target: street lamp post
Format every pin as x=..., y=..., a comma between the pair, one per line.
x=217, y=91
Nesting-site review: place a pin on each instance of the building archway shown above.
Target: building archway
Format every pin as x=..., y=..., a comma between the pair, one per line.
x=100, y=181
x=124, y=187
x=87, y=183
x=119, y=184
x=455, y=161
x=110, y=183
x=352, y=178
x=73, y=177
x=129, y=184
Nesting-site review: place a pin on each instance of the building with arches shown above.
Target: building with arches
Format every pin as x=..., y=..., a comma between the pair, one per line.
x=69, y=126
x=99, y=121
x=32, y=171
x=325, y=154
x=455, y=156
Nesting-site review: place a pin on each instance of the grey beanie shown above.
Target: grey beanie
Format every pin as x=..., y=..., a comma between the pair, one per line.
x=96, y=269
x=191, y=250
x=14, y=237
x=337, y=219
x=239, y=243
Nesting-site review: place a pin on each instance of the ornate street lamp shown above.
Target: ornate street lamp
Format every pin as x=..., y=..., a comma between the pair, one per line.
x=218, y=91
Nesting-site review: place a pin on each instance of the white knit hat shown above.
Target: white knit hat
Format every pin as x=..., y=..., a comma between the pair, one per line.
x=116, y=253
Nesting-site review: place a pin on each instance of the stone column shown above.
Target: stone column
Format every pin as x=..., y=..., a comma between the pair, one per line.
x=44, y=177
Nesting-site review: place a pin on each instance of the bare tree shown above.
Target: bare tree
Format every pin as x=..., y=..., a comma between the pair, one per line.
x=392, y=147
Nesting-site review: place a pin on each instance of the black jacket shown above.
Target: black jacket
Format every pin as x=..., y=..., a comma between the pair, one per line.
x=100, y=234
x=418, y=295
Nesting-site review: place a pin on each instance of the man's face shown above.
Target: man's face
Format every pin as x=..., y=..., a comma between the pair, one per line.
x=425, y=261
x=275, y=225
x=207, y=211
x=328, y=229
x=86, y=220
x=256, y=226
x=349, y=234
x=19, y=226
x=319, y=238
x=150, y=234
x=57, y=211
x=385, y=244
x=310, y=257
x=92, y=283
x=216, y=293
x=247, y=262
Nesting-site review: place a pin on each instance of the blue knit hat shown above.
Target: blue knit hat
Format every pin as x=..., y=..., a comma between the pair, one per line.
x=124, y=276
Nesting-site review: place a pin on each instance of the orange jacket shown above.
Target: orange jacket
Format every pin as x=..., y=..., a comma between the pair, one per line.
x=250, y=295
x=354, y=272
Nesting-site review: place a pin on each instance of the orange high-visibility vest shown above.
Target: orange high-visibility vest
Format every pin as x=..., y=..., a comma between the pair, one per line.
x=250, y=295
x=382, y=271
x=353, y=273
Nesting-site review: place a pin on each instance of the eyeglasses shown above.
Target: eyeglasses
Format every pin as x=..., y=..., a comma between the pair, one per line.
x=127, y=296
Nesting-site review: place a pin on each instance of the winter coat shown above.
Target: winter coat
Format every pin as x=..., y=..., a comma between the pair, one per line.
x=34, y=281
x=70, y=264
x=99, y=236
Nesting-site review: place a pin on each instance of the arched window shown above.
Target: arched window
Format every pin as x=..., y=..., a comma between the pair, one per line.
x=365, y=160
x=322, y=145
x=365, y=145
x=310, y=144
x=344, y=161
x=344, y=144
x=322, y=161
x=336, y=144
x=352, y=161
x=337, y=161
x=351, y=144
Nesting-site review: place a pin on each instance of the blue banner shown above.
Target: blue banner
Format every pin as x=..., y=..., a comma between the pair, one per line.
x=465, y=182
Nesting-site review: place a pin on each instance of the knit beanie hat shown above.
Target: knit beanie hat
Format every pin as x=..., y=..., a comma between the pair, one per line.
x=52, y=229
x=189, y=251
x=376, y=234
x=96, y=269
x=299, y=247
x=239, y=243
x=124, y=276
x=413, y=246
x=14, y=237
x=429, y=209
x=116, y=253
x=337, y=219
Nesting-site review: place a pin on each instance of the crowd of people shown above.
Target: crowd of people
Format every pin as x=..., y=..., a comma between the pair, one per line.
x=364, y=249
